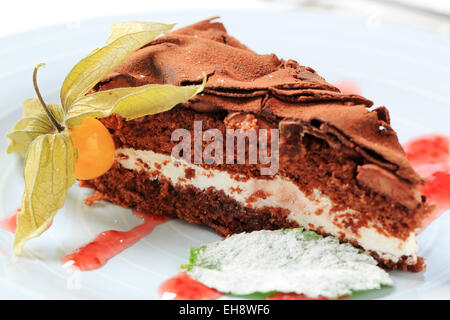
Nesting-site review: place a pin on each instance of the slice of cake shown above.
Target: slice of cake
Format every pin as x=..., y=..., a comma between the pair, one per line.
x=338, y=168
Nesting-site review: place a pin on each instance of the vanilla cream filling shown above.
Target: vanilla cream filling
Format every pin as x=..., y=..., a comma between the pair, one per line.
x=312, y=212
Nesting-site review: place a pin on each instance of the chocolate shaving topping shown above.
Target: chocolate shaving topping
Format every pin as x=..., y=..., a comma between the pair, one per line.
x=240, y=80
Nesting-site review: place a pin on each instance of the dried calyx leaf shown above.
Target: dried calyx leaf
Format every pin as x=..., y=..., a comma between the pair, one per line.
x=121, y=29
x=130, y=103
x=49, y=172
x=89, y=71
x=43, y=134
x=33, y=107
x=36, y=121
x=26, y=130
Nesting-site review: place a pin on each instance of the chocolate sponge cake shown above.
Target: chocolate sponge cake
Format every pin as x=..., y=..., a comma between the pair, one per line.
x=341, y=170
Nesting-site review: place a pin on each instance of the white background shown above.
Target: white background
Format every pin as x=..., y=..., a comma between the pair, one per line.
x=22, y=15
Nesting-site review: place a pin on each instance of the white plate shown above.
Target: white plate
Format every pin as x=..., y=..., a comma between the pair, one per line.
x=407, y=70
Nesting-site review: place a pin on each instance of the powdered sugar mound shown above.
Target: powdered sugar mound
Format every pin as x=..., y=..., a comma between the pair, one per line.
x=285, y=261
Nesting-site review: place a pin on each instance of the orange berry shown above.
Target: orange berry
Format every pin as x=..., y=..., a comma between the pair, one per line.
x=95, y=149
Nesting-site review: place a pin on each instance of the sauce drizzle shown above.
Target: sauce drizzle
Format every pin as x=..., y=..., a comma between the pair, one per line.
x=430, y=156
x=183, y=287
x=347, y=87
x=110, y=243
x=10, y=223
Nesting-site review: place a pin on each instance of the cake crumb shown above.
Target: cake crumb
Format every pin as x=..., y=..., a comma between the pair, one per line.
x=260, y=194
x=189, y=173
x=96, y=196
